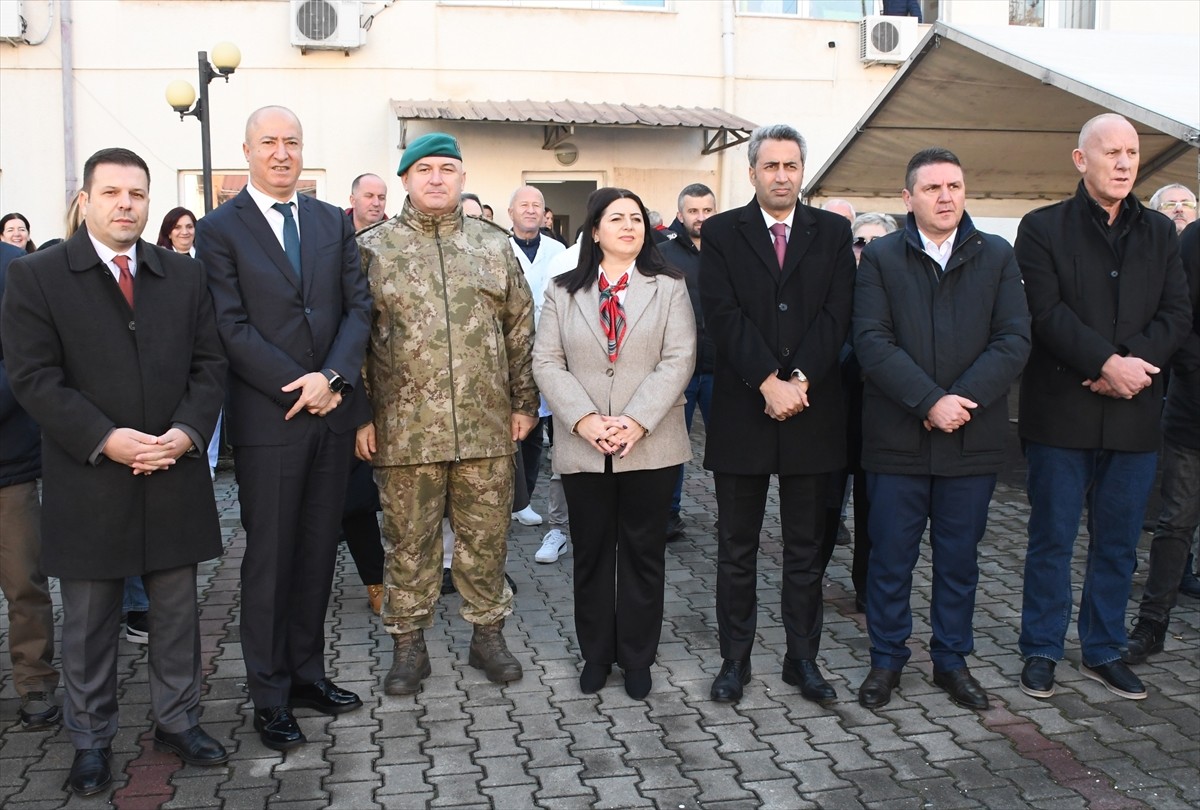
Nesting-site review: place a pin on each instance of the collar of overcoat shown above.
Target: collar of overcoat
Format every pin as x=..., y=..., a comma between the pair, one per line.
x=754, y=231
x=638, y=295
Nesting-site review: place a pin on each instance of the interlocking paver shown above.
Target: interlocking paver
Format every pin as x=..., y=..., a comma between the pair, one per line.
x=463, y=742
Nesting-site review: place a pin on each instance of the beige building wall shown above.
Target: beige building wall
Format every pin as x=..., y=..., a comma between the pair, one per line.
x=783, y=69
x=125, y=52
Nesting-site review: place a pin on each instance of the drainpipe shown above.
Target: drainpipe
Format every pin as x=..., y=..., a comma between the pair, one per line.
x=729, y=96
x=68, y=101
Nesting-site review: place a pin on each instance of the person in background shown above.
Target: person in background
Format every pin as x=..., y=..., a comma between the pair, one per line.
x=14, y=230
x=841, y=208
x=1176, y=201
x=866, y=229
x=178, y=233
x=613, y=355
x=488, y=213
x=368, y=201
x=25, y=587
x=471, y=205
x=1170, y=549
x=695, y=204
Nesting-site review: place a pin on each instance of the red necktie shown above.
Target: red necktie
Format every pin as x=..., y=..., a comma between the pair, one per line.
x=779, y=230
x=125, y=282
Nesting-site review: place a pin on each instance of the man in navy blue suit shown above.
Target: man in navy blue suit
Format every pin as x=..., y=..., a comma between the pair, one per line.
x=293, y=311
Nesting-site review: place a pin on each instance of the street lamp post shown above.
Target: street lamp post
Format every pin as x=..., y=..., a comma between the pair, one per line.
x=180, y=95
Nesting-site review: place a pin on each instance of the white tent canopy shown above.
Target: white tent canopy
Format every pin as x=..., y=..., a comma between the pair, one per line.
x=1010, y=101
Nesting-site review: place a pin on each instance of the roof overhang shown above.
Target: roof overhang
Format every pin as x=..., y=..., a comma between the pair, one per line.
x=1010, y=102
x=559, y=119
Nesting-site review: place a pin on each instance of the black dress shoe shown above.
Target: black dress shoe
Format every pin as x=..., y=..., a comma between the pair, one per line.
x=1037, y=677
x=323, y=696
x=727, y=686
x=277, y=728
x=638, y=683
x=1118, y=678
x=447, y=582
x=803, y=672
x=593, y=677
x=962, y=688
x=90, y=773
x=675, y=529
x=876, y=689
x=194, y=746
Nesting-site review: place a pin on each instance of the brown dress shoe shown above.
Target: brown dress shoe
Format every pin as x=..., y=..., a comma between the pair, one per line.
x=375, y=598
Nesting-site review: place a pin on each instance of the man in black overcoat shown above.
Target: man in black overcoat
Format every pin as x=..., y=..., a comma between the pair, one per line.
x=112, y=348
x=776, y=280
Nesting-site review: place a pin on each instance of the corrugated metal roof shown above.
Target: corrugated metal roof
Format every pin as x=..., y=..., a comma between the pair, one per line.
x=571, y=112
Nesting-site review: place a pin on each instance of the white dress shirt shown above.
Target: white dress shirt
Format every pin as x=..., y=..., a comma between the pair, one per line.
x=941, y=255
x=770, y=220
x=106, y=255
x=274, y=218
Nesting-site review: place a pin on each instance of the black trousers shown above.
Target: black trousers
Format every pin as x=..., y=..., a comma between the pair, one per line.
x=741, y=501
x=291, y=498
x=360, y=523
x=619, y=537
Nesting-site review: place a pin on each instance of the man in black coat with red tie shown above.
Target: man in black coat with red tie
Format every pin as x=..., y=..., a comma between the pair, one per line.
x=776, y=283
x=293, y=312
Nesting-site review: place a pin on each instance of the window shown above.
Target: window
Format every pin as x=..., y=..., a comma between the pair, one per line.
x=1077, y=14
x=810, y=9
x=227, y=184
x=652, y=5
x=1030, y=13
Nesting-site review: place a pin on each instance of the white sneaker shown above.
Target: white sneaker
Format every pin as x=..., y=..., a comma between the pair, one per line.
x=554, y=545
x=528, y=517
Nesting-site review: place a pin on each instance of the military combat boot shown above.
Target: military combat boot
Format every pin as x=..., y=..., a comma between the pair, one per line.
x=410, y=664
x=490, y=653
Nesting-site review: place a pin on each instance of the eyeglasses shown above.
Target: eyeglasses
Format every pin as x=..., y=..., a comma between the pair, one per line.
x=860, y=242
x=1171, y=206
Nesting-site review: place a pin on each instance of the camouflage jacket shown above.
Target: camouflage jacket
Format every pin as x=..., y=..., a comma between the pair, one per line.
x=450, y=356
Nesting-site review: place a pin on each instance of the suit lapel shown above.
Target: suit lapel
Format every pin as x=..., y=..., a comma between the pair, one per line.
x=804, y=231
x=754, y=231
x=638, y=296
x=257, y=225
x=588, y=301
x=308, y=247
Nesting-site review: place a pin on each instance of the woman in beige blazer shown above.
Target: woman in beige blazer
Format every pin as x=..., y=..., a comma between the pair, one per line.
x=614, y=351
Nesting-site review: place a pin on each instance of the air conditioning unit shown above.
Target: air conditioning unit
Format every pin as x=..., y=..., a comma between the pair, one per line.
x=12, y=27
x=331, y=25
x=889, y=40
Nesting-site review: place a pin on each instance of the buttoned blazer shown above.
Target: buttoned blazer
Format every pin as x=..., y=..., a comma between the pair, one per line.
x=646, y=383
x=83, y=363
x=765, y=320
x=277, y=328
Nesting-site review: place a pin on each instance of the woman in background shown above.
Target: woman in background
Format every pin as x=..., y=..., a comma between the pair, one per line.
x=178, y=231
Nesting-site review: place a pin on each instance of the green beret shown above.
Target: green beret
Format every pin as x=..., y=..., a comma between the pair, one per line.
x=435, y=144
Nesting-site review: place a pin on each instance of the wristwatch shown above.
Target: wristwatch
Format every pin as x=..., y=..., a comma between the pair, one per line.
x=797, y=374
x=337, y=383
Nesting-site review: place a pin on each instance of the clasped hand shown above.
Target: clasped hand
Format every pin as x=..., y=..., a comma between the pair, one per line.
x=784, y=399
x=610, y=435
x=145, y=453
x=949, y=413
x=1122, y=377
x=315, y=396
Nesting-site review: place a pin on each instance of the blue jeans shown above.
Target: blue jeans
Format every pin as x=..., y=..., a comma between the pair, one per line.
x=1116, y=486
x=135, y=598
x=956, y=509
x=698, y=392
x=1176, y=524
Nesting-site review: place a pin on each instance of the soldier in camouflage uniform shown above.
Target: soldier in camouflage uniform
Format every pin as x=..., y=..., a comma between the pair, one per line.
x=450, y=381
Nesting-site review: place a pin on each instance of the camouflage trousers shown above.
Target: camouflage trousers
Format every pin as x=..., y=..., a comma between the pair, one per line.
x=414, y=498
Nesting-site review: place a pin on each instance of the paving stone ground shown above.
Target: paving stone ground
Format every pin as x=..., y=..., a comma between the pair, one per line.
x=463, y=742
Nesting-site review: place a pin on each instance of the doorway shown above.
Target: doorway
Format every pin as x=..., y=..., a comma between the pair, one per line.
x=566, y=195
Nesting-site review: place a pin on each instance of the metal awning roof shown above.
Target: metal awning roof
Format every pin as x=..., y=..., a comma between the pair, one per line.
x=1010, y=102
x=559, y=118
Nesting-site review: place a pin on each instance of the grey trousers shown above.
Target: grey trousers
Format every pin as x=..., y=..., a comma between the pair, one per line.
x=90, y=635
x=30, y=611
